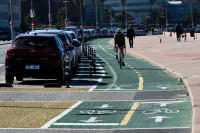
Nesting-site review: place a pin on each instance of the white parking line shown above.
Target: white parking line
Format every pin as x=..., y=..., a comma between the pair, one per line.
x=87, y=124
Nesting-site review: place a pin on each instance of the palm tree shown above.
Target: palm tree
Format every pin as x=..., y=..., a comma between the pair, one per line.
x=152, y=2
x=105, y=16
x=122, y=16
x=123, y=3
x=112, y=13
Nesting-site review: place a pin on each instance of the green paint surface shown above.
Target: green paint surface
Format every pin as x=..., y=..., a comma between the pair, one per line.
x=155, y=79
x=178, y=111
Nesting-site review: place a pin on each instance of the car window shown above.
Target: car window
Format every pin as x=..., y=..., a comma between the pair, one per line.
x=73, y=36
x=62, y=37
x=34, y=42
x=69, y=38
x=60, y=42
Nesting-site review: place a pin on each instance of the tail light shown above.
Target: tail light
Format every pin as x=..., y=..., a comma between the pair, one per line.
x=56, y=53
x=66, y=44
x=10, y=53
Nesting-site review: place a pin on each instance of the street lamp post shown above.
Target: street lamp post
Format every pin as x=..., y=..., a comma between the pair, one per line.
x=32, y=16
x=81, y=13
x=66, y=20
x=50, y=17
x=11, y=22
x=57, y=1
x=110, y=15
x=166, y=15
x=96, y=15
x=126, y=17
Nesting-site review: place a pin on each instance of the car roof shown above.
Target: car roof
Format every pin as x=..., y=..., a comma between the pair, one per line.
x=60, y=32
x=70, y=31
x=33, y=35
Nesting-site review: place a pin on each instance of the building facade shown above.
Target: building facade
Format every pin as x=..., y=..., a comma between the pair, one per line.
x=5, y=14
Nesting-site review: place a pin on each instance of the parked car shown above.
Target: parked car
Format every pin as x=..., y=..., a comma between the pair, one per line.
x=66, y=40
x=37, y=56
x=71, y=28
x=5, y=36
x=77, y=45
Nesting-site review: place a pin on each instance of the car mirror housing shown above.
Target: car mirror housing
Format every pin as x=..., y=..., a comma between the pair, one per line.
x=70, y=48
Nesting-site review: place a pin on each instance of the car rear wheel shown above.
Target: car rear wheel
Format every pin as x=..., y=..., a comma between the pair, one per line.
x=9, y=78
x=8, y=39
x=18, y=78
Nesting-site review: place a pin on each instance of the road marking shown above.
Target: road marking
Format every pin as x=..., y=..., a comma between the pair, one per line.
x=104, y=106
x=3, y=82
x=92, y=119
x=100, y=79
x=130, y=113
x=139, y=75
x=141, y=81
x=129, y=65
x=163, y=103
x=2, y=65
x=114, y=74
x=86, y=124
x=77, y=77
x=49, y=123
x=117, y=89
x=159, y=118
x=137, y=72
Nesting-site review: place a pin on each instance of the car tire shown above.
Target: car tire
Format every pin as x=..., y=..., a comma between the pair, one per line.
x=8, y=38
x=9, y=78
x=18, y=78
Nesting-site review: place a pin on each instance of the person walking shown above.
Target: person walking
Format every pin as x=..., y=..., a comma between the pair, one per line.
x=179, y=31
x=130, y=35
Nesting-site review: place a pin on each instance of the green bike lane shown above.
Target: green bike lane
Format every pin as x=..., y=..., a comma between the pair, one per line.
x=126, y=115
x=137, y=75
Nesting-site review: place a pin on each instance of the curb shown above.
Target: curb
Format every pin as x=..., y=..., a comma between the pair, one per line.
x=5, y=43
x=173, y=72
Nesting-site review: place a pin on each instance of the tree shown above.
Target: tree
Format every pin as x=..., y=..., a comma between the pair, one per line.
x=148, y=20
x=154, y=14
x=122, y=17
x=105, y=16
x=112, y=13
x=123, y=3
x=28, y=20
x=195, y=15
x=161, y=18
x=61, y=17
x=152, y=2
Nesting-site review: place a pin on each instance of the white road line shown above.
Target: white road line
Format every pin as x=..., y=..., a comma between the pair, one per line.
x=2, y=65
x=86, y=124
x=77, y=77
x=49, y=123
x=100, y=79
x=116, y=89
x=3, y=82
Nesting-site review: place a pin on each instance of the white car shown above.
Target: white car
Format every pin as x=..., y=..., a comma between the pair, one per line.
x=77, y=45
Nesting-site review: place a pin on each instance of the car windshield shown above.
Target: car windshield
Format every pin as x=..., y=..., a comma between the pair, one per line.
x=71, y=29
x=73, y=36
x=34, y=42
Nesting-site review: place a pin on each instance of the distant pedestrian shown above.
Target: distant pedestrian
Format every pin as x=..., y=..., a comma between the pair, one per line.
x=178, y=30
x=130, y=35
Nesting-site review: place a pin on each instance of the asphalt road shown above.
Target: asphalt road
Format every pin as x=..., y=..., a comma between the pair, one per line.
x=139, y=98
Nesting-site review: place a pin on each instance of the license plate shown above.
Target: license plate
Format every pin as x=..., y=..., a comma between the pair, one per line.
x=32, y=66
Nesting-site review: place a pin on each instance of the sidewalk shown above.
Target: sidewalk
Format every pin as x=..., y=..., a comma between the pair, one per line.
x=180, y=58
x=5, y=42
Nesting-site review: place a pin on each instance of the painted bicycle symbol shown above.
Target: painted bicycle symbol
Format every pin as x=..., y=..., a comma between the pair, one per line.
x=159, y=111
x=92, y=112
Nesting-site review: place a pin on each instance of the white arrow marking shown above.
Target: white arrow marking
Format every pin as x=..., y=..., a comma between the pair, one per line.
x=159, y=118
x=105, y=106
x=92, y=119
x=163, y=88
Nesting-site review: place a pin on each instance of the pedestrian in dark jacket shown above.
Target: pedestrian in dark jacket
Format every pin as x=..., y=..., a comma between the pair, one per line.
x=178, y=30
x=130, y=35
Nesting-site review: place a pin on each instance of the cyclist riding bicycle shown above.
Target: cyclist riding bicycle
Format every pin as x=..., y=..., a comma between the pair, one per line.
x=119, y=41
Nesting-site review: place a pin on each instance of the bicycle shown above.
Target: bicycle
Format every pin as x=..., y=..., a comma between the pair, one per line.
x=120, y=57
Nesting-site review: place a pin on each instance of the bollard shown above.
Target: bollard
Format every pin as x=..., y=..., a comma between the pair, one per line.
x=92, y=57
x=90, y=66
x=94, y=61
x=86, y=50
x=67, y=74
